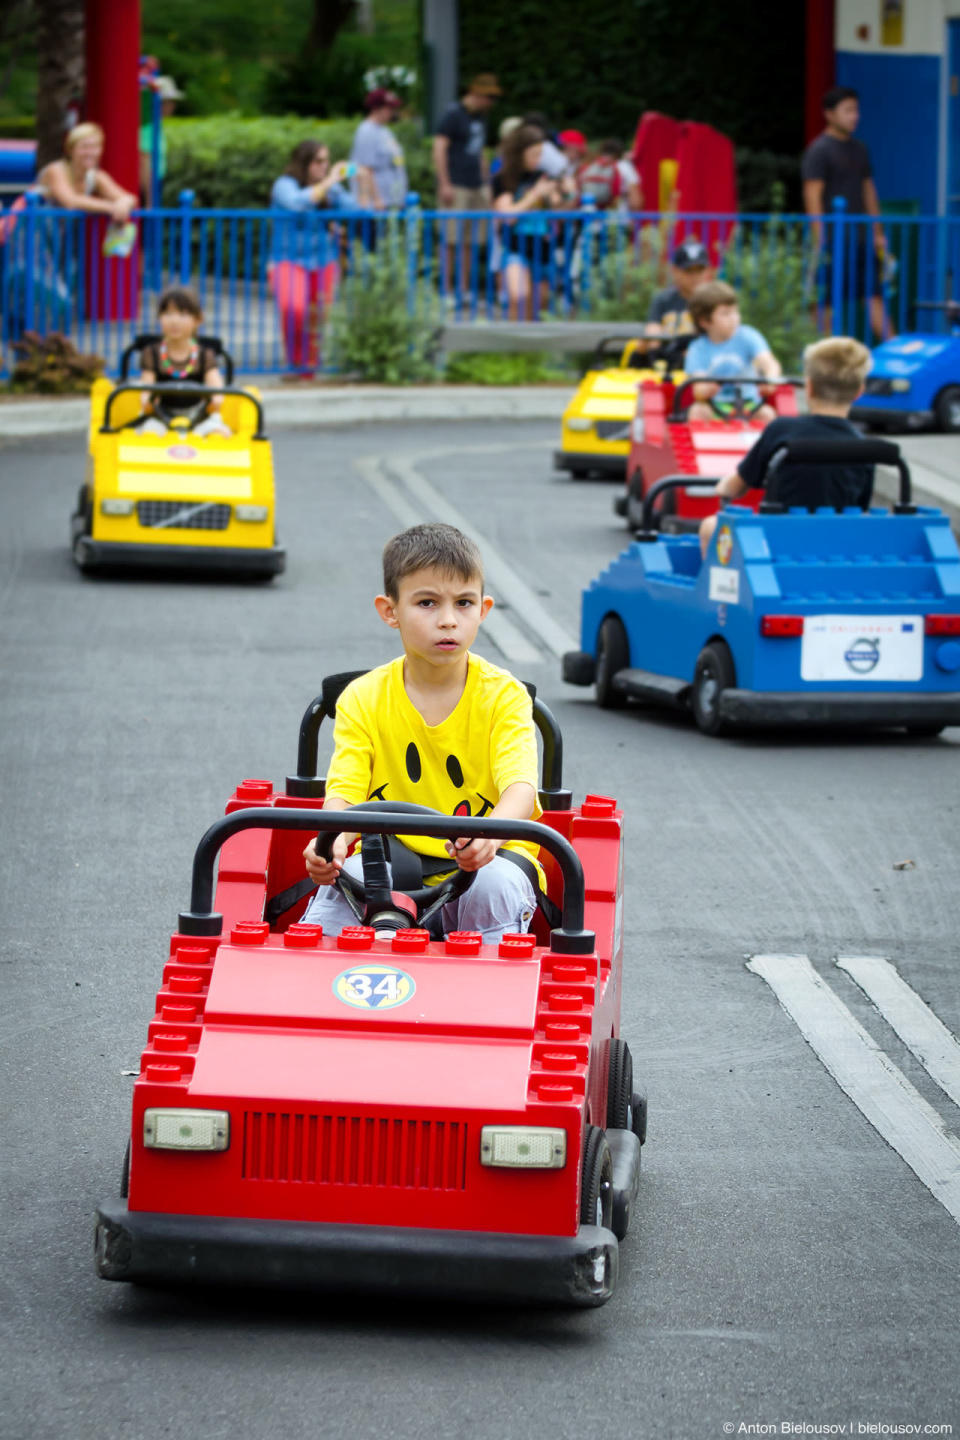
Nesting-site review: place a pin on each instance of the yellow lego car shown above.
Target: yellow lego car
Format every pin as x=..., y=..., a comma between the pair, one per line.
x=177, y=499
x=595, y=429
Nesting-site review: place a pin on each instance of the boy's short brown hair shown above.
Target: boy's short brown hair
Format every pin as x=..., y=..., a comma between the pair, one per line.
x=836, y=369
x=707, y=297
x=180, y=297
x=430, y=547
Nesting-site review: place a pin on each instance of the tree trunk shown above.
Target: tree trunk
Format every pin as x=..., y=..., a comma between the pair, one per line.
x=329, y=18
x=60, y=72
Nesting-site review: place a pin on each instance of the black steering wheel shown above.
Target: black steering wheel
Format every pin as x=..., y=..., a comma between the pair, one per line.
x=373, y=900
x=172, y=419
x=742, y=408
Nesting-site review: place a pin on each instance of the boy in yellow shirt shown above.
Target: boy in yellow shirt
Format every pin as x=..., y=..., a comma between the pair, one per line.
x=437, y=727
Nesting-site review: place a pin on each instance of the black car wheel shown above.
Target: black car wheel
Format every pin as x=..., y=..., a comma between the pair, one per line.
x=613, y=654
x=714, y=673
x=619, y=1086
x=596, y=1182
x=947, y=410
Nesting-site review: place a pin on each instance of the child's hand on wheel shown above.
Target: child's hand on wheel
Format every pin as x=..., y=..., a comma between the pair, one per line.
x=472, y=854
x=325, y=872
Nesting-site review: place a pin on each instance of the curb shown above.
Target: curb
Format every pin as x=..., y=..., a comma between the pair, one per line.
x=331, y=405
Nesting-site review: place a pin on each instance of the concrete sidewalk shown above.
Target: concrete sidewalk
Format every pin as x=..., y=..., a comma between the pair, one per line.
x=309, y=405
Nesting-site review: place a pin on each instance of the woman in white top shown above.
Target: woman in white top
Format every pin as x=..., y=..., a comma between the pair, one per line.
x=77, y=183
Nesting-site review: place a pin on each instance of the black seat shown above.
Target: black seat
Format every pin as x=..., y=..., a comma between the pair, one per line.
x=818, y=457
x=140, y=342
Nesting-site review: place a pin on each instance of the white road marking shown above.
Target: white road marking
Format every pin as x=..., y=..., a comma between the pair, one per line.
x=511, y=643
x=912, y=1019
x=502, y=576
x=875, y=1085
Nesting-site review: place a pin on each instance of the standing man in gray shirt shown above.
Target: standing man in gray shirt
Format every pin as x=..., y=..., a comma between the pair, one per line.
x=461, y=168
x=381, y=179
x=837, y=164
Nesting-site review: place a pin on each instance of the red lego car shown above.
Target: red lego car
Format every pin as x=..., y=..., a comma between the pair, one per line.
x=663, y=442
x=385, y=1111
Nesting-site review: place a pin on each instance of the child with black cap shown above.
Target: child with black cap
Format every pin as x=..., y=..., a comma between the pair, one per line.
x=669, y=312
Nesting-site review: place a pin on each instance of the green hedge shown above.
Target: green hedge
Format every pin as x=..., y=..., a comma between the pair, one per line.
x=231, y=162
x=737, y=67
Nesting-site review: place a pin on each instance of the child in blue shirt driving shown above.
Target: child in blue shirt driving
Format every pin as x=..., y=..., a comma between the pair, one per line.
x=725, y=346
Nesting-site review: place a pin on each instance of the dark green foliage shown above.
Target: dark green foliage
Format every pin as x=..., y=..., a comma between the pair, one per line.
x=233, y=55
x=231, y=163
x=494, y=367
x=738, y=66
x=52, y=365
x=767, y=182
x=323, y=85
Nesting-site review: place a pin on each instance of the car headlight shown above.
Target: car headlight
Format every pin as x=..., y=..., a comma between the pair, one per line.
x=113, y=505
x=900, y=387
x=579, y=422
x=252, y=514
x=186, y=1129
x=523, y=1147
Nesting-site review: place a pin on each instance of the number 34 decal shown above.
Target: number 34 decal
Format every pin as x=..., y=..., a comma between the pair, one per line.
x=374, y=987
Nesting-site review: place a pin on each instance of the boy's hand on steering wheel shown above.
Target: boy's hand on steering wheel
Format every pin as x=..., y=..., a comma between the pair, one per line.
x=473, y=854
x=325, y=872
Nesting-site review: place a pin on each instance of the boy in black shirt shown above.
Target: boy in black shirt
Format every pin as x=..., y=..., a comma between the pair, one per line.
x=835, y=371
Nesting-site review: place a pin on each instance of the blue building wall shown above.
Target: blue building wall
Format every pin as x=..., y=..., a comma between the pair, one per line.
x=899, y=121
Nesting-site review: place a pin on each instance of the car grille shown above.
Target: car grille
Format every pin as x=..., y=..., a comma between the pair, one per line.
x=612, y=429
x=354, y=1150
x=182, y=515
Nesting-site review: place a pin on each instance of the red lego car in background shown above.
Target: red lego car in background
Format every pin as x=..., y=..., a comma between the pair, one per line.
x=385, y=1111
x=663, y=442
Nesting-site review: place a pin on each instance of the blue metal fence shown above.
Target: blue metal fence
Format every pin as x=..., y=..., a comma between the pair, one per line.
x=267, y=278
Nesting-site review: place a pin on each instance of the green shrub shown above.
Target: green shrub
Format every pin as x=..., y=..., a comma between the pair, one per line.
x=625, y=279
x=496, y=367
x=230, y=162
x=381, y=327
x=768, y=268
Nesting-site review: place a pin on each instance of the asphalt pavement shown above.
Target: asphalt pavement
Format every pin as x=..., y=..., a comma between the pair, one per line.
x=789, y=1268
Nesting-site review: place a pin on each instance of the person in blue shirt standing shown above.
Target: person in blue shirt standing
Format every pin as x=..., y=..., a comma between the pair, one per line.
x=725, y=347
x=304, y=262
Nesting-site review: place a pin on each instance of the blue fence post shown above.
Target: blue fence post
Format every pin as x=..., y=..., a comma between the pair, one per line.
x=156, y=118
x=838, y=250
x=30, y=258
x=186, y=205
x=411, y=219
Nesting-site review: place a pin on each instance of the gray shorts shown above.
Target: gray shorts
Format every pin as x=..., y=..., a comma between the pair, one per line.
x=501, y=901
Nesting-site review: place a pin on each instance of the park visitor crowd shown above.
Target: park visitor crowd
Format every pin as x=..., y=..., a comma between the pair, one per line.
x=535, y=169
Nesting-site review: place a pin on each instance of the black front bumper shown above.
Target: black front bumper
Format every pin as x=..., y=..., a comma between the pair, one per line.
x=613, y=465
x=468, y=1265
x=757, y=707
x=93, y=554
x=897, y=419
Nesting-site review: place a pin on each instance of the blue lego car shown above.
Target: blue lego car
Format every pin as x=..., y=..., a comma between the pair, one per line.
x=795, y=617
x=914, y=382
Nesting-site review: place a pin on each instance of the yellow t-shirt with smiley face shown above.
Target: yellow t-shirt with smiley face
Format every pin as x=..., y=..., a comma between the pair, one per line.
x=384, y=750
